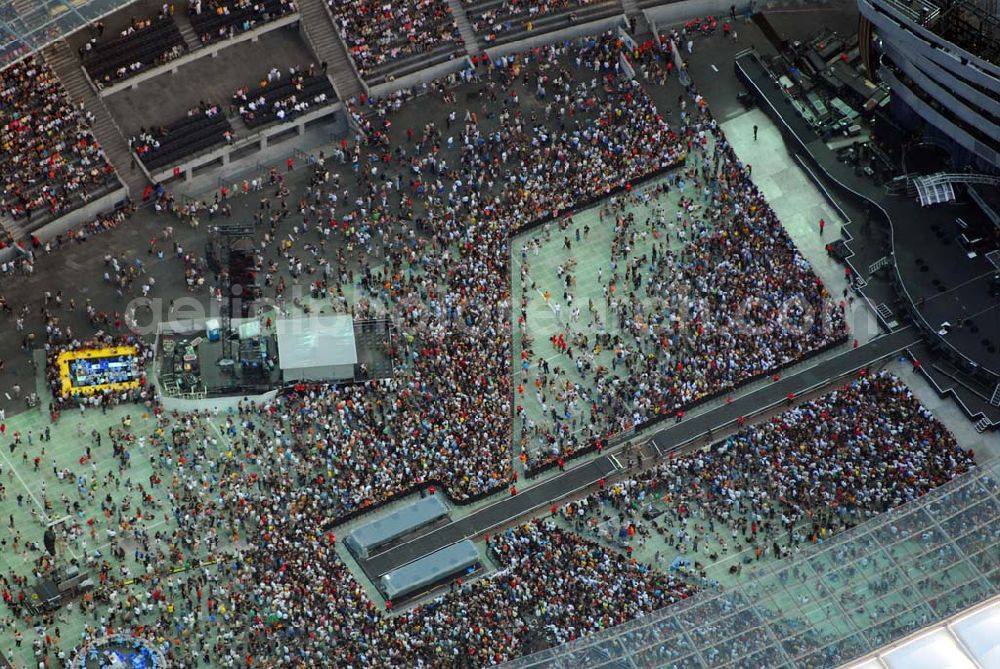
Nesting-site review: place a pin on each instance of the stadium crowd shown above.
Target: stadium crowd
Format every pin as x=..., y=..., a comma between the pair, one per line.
x=453, y=319
x=378, y=33
x=490, y=19
x=51, y=162
x=254, y=494
x=691, y=306
x=274, y=592
x=274, y=588
x=812, y=472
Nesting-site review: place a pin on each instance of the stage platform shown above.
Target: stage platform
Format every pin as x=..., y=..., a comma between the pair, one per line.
x=210, y=378
x=936, y=279
x=201, y=377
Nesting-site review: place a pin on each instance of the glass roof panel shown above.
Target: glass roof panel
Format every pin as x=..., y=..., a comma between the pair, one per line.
x=26, y=27
x=837, y=601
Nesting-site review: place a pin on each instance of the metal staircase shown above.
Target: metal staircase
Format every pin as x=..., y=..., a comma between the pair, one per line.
x=902, y=185
x=995, y=399
x=879, y=264
x=319, y=28
x=8, y=226
x=885, y=314
x=931, y=190
x=939, y=188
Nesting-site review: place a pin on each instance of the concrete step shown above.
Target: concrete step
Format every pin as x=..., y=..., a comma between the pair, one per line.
x=322, y=35
x=187, y=32
x=472, y=46
x=11, y=228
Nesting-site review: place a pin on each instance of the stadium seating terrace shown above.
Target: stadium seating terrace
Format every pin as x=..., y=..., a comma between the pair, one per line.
x=215, y=20
x=51, y=162
x=499, y=21
x=143, y=44
x=396, y=38
x=284, y=98
x=201, y=128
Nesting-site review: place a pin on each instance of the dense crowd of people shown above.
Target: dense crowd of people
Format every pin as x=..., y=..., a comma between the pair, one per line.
x=812, y=472
x=51, y=162
x=454, y=319
x=436, y=281
x=694, y=304
x=60, y=340
x=490, y=20
x=274, y=590
x=376, y=33
x=227, y=551
x=276, y=593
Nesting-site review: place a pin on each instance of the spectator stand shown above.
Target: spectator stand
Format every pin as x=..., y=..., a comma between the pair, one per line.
x=105, y=196
x=209, y=50
x=16, y=238
x=498, y=22
x=220, y=20
x=388, y=42
x=536, y=38
x=146, y=43
x=672, y=13
x=199, y=130
x=212, y=151
x=284, y=100
x=419, y=78
x=55, y=174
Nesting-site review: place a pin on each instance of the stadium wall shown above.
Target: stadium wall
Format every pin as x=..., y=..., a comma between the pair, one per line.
x=679, y=12
x=572, y=32
x=424, y=76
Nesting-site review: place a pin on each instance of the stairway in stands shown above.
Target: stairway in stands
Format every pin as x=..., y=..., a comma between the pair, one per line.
x=9, y=229
x=472, y=46
x=25, y=8
x=631, y=8
x=61, y=58
x=191, y=40
x=329, y=47
x=638, y=25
